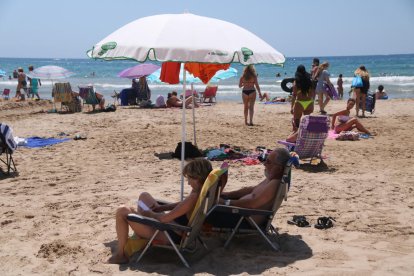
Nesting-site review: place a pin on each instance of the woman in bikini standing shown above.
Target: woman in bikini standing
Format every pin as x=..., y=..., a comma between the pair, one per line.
x=302, y=96
x=248, y=83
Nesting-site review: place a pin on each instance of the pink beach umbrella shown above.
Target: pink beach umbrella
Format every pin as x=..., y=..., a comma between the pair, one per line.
x=138, y=71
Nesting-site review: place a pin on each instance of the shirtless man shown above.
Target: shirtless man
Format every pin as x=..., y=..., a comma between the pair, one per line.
x=173, y=101
x=256, y=197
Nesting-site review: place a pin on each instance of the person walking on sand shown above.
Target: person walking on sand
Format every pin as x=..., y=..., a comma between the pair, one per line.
x=361, y=92
x=248, y=82
x=340, y=86
x=322, y=75
x=34, y=84
x=21, y=83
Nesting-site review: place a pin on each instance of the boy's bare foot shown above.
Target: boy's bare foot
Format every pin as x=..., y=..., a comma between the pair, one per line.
x=116, y=259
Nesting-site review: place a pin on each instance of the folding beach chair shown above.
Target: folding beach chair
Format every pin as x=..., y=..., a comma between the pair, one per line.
x=7, y=147
x=312, y=133
x=265, y=229
x=209, y=93
x=62, y=92
x=88, y=95
x=6, y=94
x=208, y=198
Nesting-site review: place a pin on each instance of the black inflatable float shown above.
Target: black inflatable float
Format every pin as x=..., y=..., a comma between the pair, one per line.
x=287, y=85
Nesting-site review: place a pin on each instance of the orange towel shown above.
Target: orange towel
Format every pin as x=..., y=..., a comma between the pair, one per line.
x=205, y=71
x=170, y=72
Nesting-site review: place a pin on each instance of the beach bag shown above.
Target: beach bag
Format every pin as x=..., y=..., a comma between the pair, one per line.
x=369, y=103
x=357, y=82
x=191, y=151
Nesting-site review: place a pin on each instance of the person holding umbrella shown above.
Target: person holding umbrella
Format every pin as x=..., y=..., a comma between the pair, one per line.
x=248, y=82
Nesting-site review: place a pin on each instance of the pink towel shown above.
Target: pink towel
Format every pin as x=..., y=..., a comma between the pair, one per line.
x=332, y=134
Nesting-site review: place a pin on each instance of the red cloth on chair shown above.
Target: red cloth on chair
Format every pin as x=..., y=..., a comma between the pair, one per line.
x=204, y=71
x=170, y=72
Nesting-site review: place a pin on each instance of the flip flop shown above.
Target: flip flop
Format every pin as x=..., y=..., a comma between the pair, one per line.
x=299, y=221
x=324, y=222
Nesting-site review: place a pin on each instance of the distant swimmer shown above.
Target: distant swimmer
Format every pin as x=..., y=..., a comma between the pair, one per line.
x=278, y=75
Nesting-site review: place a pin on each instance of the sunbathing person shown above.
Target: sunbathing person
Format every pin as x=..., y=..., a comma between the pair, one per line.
x=261, y=196
x=173, y=101
x=196, y=172
x=341, y=121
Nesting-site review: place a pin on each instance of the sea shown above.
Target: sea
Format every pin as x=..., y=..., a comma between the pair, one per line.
x=394, y=72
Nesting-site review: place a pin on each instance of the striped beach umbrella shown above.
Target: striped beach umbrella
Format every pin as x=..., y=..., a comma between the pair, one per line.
x=50, y=72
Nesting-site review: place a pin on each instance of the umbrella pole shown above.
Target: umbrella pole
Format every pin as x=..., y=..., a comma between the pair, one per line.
x=194, y=122
x=183, y=137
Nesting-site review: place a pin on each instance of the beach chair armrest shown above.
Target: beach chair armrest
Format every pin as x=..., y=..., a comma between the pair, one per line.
x=286, y=143
x=157, y=224
x=241, y=211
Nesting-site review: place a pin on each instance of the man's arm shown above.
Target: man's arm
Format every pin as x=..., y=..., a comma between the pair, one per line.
x=258, y=200
x=237, y=194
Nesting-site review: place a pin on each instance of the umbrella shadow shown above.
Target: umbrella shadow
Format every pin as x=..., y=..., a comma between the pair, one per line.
x=250, y=255
x=164, y=155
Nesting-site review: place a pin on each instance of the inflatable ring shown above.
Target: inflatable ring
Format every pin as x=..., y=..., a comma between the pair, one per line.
x=284, y=85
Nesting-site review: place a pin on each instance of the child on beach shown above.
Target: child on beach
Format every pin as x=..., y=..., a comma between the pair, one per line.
x=340, y=87
x=341, y=121
x=196, y=172
x=380, y=93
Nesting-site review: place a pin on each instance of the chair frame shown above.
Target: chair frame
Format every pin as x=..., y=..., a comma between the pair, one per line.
x=90, y=98
x=9, y=162
x=246, y=214
x=317, y=151
x=203, y=96
x=191, y=232
x=6, y=94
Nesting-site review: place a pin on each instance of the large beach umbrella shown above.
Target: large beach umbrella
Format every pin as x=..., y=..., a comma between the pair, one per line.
x=138, y=71
x=185, y=38
x=50, y=72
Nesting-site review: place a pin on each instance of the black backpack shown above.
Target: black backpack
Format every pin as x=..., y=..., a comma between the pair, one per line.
x=191, y=151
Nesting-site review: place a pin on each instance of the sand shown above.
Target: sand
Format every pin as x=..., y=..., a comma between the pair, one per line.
x=57, y=214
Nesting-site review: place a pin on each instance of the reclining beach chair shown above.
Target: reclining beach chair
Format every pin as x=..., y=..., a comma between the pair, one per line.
x=209, y=93
x=88, y=95
x=208, y=197
x=312, y=133
x=6, y=94
x=266, y=229
x=62, y=92
x=7, y=147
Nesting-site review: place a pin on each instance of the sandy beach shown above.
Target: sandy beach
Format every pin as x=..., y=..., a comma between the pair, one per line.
x=57, y=214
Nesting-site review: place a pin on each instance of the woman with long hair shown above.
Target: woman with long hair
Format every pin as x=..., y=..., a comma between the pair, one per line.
x=302, y=96
x=248, y=82
x=361, y=92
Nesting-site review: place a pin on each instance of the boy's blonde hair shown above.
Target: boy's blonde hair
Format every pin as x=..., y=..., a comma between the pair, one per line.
x=198, y=168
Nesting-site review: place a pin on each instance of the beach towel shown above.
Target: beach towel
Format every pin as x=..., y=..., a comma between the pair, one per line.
x=38, y=142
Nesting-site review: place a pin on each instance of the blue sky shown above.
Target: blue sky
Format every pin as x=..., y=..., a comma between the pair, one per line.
x=66, y=29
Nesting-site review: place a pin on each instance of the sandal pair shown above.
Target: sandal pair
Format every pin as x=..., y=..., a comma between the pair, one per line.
x=299, y=221
x=324, y=222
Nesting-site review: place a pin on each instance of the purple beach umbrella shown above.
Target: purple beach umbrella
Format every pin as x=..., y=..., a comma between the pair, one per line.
x=138, y=71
